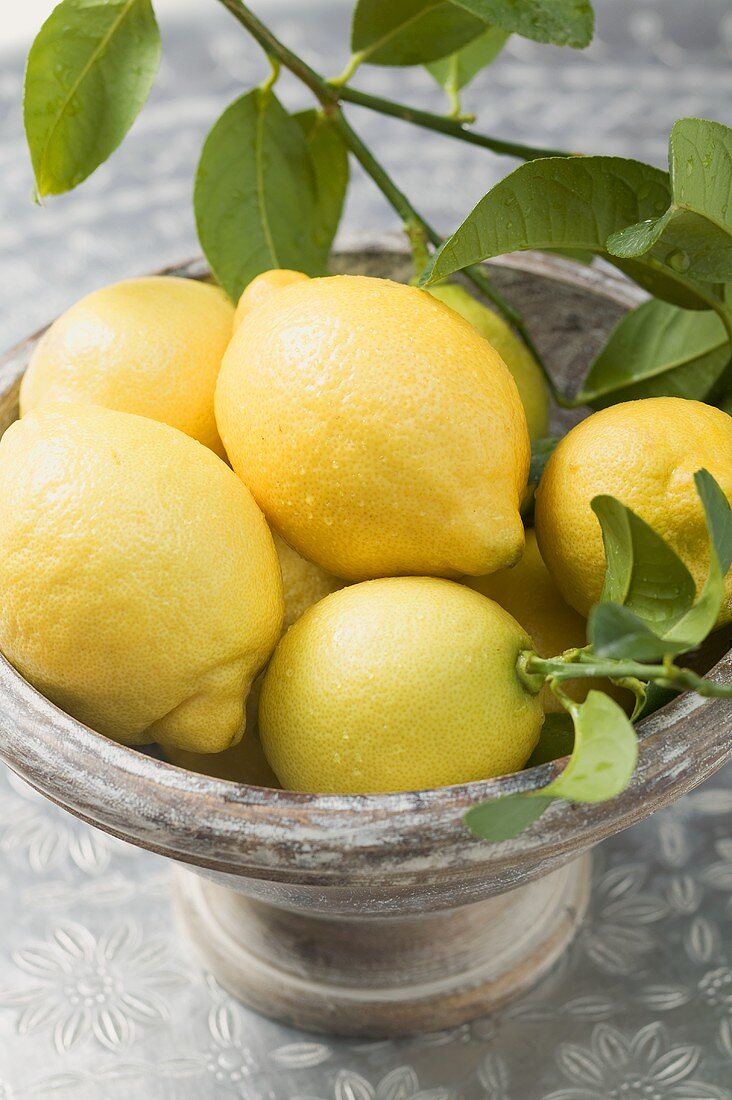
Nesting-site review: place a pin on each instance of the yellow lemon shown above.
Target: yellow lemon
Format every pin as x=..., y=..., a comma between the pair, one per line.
x=398, y=684
x=303, y=582
x=148, y=346
x=645, y=454
x=261, y=289
x=244, y=763
x=528, y=592
x=303, y=585
x=379, y=433
x=139, y=584
x=517, y=357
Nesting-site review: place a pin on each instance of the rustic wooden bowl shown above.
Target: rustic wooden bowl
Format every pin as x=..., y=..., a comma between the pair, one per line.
x=374, y=915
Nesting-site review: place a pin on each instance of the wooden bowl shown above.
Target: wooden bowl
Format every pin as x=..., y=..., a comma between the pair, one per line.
x=373, y=915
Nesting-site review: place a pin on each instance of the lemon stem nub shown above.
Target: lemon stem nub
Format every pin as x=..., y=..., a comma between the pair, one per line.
x=582, y=664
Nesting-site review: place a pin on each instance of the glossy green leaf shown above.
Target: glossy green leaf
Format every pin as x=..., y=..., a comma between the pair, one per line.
x=668, y=285
x=89, y=72
x=601, y=764
x=507, y=817
x=456, y=71
x=694, y=234
x=561, y=22
x=648, y=609
x=617, y=632
x=643, y=573
x=604, y=756
x=410, y=32
x=567, y=202
x=256, y=199
x=658, y=350
x=329, y=158
x=700, y=620
x=555, y=202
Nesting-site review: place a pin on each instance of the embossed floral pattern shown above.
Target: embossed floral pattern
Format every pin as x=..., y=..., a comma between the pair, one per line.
x=643, y=1066
x=51, y=842
x=81, y=987
x=616, y=934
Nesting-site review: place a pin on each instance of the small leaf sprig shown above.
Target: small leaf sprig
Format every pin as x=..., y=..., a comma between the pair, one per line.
x=648, y=615
x=270, y=185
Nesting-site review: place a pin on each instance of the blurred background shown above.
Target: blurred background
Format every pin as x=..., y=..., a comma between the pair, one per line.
x=652, y=61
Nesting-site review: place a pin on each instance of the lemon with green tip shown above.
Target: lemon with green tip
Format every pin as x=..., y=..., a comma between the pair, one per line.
x=395, y=685
x=528, y=592
x=523, y=366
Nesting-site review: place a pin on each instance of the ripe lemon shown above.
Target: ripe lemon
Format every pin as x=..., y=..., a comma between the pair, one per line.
x=303, y=585
x=139, y=584
x=244, y=763
x=303, y=582
x=379, y=433
x=148, y=346
x=517, y=357
x=394, y=685
x=645, y=454
x=261, y=289
x=528, y=592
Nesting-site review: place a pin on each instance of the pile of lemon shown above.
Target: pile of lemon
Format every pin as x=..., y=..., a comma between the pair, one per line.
x=325, y=486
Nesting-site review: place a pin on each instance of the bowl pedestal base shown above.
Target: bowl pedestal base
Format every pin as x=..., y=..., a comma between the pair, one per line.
x=381, y=977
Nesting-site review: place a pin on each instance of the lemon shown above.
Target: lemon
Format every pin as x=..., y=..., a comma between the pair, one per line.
x=262, y=287
x=397, y=684
x=244, y=763
x=517, y=357
x=148, y=346
x=379, y=433
x=303, y=582
x=303, y=585
x=528, y=592
x=645, y=454
x=139, y=584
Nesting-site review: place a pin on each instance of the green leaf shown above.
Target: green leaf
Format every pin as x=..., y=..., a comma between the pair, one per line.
x=658, y=350
x=566, y=202
x=410, y=32
x=643, y=573
x=600, y=767
x=555, y=740
x=694, y=235
x=329, y=158
x=562, y=22
x=648, y=610
x=89, y=72
x=665, y=283
x=555, y=202
x=701, y=619
x=541, y=452
x=456, y=71
x=617, y=632
x=604, y=756
x=504, y=818
x=255, y=198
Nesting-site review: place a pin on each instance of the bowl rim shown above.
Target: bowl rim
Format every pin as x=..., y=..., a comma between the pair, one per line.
x=61, y=741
